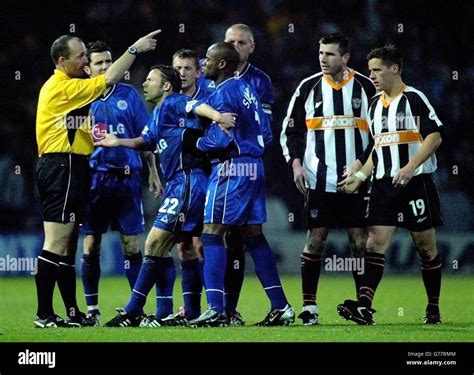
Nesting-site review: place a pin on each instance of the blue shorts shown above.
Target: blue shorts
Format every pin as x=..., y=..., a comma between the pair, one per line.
x=236, y=192
x=116, y=199
x=182, y=206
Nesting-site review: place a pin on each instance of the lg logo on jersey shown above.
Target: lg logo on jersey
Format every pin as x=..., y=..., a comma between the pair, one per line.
x=99, y=130
x=162, y=145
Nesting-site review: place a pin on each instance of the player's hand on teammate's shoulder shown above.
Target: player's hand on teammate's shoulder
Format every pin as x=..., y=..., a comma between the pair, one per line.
x=147, y=42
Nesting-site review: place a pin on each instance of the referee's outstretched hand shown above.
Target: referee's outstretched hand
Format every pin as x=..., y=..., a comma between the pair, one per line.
x=147, y=42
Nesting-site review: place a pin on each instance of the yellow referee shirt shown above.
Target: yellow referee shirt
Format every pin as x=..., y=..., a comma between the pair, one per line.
x=62, y=119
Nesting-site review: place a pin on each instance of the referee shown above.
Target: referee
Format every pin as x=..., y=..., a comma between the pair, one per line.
x=62, y=172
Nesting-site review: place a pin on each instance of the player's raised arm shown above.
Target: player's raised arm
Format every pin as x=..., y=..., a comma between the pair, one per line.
x=122, y=64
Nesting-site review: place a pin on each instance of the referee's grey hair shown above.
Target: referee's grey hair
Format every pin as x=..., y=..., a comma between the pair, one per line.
x=60, y=47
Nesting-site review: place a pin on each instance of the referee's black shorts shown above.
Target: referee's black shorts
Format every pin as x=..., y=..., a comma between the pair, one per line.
x=414, y=207
x=63, y=185
x=335, y=210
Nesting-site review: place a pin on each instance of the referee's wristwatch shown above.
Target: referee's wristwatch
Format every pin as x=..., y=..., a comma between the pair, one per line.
x=133, y=50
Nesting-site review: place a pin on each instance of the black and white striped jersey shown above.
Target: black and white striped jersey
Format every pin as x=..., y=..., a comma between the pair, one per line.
x=398, y=129
x=326, y=126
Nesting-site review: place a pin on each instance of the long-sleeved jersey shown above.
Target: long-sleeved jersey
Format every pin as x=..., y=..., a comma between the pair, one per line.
x=326, y=126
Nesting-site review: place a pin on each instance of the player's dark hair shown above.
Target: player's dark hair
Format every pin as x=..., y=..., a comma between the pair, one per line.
x=169, y=74
x=97, y=47
x=187, y=54
x=389, y=54
x=60, y=47
x=227, y=52
x=340, y=39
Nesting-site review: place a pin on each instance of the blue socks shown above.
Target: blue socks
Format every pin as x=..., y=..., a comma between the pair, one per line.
x=192, y=286
x=234, y=278
x=146, y=279
x=90, y=280
x=215, y=256
x=132, y=264
x=266, y=270
x=164, y=287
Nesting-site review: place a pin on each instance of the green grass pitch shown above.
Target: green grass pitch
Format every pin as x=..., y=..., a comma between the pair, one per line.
x=400, y=302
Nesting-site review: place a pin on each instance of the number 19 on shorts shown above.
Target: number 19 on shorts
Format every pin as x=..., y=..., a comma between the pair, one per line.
x=417, y=206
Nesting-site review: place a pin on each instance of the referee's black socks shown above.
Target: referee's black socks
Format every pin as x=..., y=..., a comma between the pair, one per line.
x=45, y=278
x=67, y=284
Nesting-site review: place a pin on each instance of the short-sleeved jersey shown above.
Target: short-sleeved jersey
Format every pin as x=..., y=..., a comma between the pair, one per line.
x=121, y=112
x=252, y=130
x=256, y=78
x=326, y=126
x=399, y=128
x=62, y=119
x=165, y=132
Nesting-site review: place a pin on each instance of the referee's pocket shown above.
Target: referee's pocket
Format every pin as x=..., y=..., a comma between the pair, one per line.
x=51, y=173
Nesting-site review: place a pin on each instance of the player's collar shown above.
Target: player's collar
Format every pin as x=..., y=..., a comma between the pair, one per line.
x=196, y=93
x=245, y=69
x=228, y=79
x=337, y=86
x=386, y=101
x=109, y=94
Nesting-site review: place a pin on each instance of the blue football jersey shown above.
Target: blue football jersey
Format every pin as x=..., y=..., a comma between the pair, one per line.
x=255, y=77
x=165, y=132
x=123, y=113
x=252, y=130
